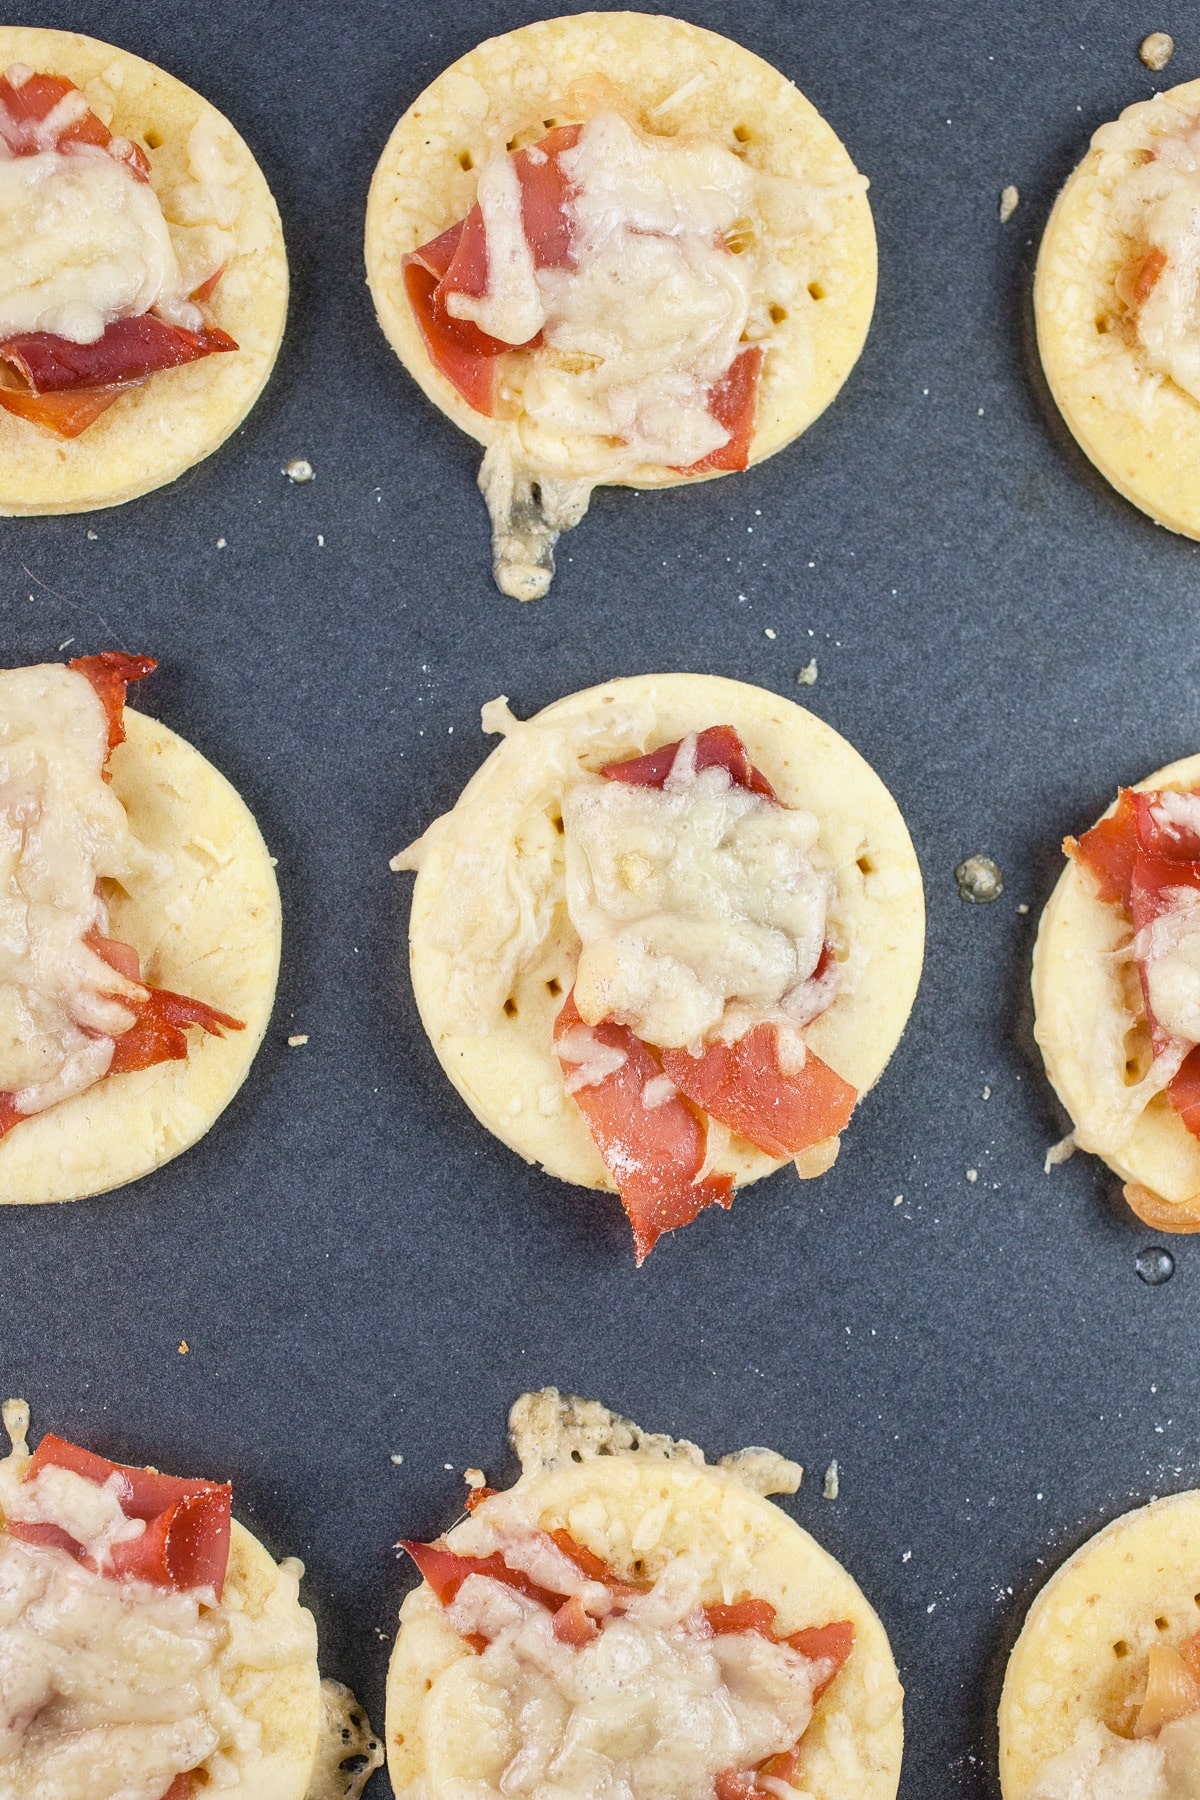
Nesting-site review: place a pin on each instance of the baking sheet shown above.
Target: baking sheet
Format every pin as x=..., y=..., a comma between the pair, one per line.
x=358, y=1270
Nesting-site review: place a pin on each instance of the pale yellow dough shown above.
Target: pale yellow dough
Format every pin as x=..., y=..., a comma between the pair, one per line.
x=1140, y=429
x=1090, y=1024
x=1081, y=1657
x=510, y=1077
x=648, y=1505
x=420, y=188
x=206, y=925
x=152, y=433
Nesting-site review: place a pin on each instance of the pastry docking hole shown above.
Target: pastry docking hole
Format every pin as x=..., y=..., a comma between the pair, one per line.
x=554, y=985
x=778, y=314
x=742, y=133
x=1120, y=1648
x=510, y=1008
x=466, y=161
x=153, y=140
x=866, y=865
x=816, y=290
x=1162, y=1624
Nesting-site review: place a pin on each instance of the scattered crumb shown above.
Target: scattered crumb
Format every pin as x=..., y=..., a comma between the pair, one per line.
x=64, y=644
x=1023, y=907
x=972, y=1175
x=768, y=633
x=397, y=1458
x=321, y=539
x=475, y=1478
x=1157, y=50
x=899, y=1200
x=807, y=675
x=907, y=1557
x=449, y=1466
x=220, y=543
x=1059, y=1153
x=300, y=1037
x=987, y=1093
x=979, y=880
x=92, y=536
x=183, y=1348
x=830, y=1489
x=298, y=470
x=1010, y=199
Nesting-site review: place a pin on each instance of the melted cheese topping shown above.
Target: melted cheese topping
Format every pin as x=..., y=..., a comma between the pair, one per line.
x=701, y=909
x=1170, y=947
x=698, y=907
x=113, y=1688
x=653, y=1708
x=82, y=242
x=1157, y=204
x=61, y=831
x=1101, y=1766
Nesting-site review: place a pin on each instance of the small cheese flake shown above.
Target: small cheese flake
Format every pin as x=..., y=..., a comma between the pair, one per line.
x=183, y=1348
x=832, y=1485
x=92, y=536
x=396, y=1457
x=298, y=1038
x=987, y=1093
x=807, y=675
x=768, y=633
x=475, y=1477
x=1023, y=908
x=321, y=540
x=972, y=1175
x=1156, y=50
x=298, y=470
x=220, y=543
x=899, y=1200
x=1059, y=1153
x=1010, y=199
x=449, y=1466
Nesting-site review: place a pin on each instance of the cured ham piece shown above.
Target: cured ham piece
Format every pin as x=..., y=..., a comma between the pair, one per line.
x=185, y=1545
x=50, y=380
x=719, y=746
x=651, y=1143
x=745, y=1086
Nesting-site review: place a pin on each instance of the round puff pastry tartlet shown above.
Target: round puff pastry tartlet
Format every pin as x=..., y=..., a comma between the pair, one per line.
x=139, y=975
x=670, y=931
x=157, y=1646
x=616, y=248
x=1116, y=991
x=1101, y=1698
x=760, y=1667
x=1114, y=298
x=143, y=278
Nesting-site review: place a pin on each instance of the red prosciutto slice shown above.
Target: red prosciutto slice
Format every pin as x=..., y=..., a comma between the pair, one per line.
x=719, y=746
x=457, y=262
x=653, y=1145
x=159, y=1031
x=745, y=1086
x=185, y=1545
x=49, y=380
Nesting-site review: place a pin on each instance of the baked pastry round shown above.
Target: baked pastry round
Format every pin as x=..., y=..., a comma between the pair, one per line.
x=1090, y=1025
x=499, y=853
x=1078, y=1671
x=206, y=922
x=673, y=80
x=220, y=213
x=1138, y=425
x=638, y=1501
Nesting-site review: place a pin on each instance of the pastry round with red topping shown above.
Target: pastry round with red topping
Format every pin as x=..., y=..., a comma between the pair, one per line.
x=1116, y=990
x=143, y=279
x=157, y=1648
x=631, y=1619
x=1102, y=1691
x=142, y=934
x=1114, y=300
x=617, y=248
x=669, y=933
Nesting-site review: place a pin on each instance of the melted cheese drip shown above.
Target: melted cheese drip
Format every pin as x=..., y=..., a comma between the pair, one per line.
x=1157, y=204
x=82, y=242
x=1102, y=1766
x=113, y=1688
x=61, y=830
x=654, y=1708
x=699, y=910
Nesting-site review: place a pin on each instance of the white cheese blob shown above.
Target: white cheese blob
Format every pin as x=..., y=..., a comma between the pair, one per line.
x=1101, y=1766
x=1170, y=949
x=62, y=829
x=699, y=907
x=1157, y=204
x=82, y=242
x=654, y=1708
